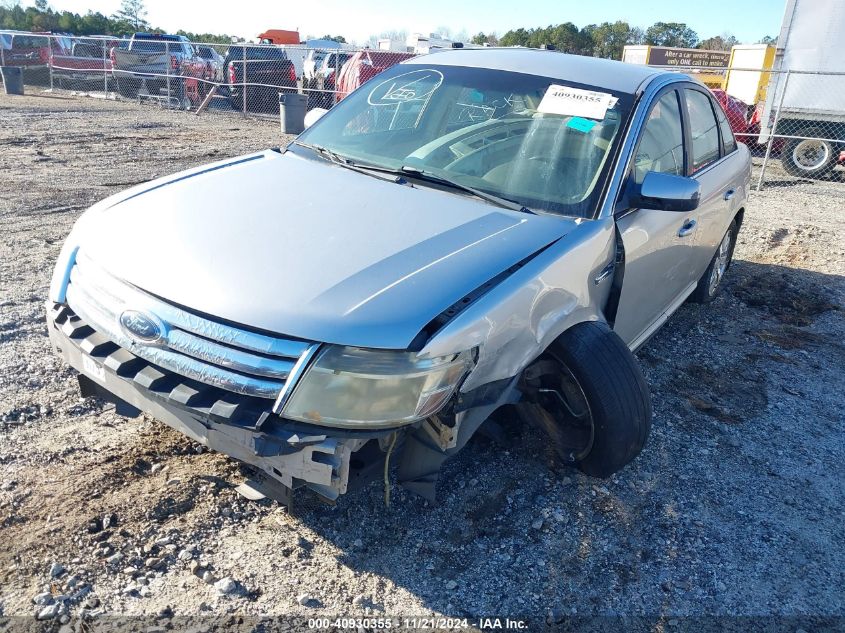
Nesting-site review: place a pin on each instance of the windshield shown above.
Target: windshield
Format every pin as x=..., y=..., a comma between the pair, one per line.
x=29, y=41
x=336, y=61
x=154, y=46
x=272, y=53
x=542, y=142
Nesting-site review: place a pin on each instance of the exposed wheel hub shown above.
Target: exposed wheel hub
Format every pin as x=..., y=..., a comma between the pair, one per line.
x=564, y=412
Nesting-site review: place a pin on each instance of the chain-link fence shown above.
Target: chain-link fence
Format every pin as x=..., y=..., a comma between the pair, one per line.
x=793, y=120
x=173, y=72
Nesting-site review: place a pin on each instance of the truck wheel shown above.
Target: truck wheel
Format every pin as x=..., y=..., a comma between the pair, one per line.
x=587, y=393
x=710, y=282
x=809, y=157
x=127, y=88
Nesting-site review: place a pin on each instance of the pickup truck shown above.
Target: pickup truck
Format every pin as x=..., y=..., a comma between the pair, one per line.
x=268, y=70
x=213, y=62
x=157, y=60
x=87, y=61
x=31, y=51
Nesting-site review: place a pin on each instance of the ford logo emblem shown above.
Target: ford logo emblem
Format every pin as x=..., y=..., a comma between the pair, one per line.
x=142, y=326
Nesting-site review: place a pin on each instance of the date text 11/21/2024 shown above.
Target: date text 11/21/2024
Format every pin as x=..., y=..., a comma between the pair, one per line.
x=419, y=623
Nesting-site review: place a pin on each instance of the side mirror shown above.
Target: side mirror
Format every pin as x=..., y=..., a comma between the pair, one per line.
x=313, y=115
x=667, y=192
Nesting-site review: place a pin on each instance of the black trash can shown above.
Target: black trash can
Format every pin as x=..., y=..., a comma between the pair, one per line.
x=12, y=79
x=292, y=112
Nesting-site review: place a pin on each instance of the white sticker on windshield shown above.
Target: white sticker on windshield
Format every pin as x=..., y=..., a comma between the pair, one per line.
x=575, y=102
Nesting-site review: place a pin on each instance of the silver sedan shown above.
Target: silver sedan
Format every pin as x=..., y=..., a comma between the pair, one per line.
x=470, y=229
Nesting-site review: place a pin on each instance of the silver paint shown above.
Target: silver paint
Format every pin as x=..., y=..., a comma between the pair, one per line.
x=310, y=250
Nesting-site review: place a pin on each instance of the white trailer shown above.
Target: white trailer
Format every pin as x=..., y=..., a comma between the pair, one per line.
x=805, y=100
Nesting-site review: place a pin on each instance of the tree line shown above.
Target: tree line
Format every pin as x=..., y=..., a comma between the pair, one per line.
x=129, y=18
x=599, y=40
x=609, y=38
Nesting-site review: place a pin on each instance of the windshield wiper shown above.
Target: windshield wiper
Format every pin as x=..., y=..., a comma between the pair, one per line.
x=332, y=155
x=417, y=174
x=427, y=176
x=338, y=159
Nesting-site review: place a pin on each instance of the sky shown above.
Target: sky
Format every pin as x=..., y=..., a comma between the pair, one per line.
x=748, y=20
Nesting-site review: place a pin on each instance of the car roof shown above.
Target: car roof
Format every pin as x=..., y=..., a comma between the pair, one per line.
x=159, y=36
x=592, y=71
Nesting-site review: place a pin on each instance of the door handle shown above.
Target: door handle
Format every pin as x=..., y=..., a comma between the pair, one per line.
x=729, y=194
x=687, y=228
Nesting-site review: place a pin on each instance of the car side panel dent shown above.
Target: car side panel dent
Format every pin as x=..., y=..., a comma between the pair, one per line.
x=514, y=322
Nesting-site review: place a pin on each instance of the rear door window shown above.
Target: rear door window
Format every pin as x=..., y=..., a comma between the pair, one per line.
x=704, y=130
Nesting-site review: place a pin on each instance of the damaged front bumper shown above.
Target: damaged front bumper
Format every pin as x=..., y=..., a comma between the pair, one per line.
x=290, y=454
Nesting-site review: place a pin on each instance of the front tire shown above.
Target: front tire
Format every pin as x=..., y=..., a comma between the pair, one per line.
x=588, y=394
x=809, y=157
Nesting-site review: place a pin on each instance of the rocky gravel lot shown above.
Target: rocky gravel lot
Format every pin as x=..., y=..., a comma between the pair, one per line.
x=736, y=506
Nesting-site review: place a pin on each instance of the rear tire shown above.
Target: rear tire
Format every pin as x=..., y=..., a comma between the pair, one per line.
x=809, y=157
x=711, y=281
x=127, y=88
x=599, y=380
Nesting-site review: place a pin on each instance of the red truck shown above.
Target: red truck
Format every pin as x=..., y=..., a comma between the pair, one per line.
x=32, y=51
x=89, y=61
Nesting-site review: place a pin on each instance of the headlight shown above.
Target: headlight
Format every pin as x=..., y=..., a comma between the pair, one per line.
x=353, y=387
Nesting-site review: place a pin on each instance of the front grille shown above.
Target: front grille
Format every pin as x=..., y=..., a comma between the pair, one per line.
x=194, y=346
x=217, y=404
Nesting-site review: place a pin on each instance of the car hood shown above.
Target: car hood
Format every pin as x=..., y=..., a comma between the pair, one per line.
x=308, y=249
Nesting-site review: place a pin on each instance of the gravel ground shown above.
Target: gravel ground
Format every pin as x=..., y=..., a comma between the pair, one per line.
x=736, y=506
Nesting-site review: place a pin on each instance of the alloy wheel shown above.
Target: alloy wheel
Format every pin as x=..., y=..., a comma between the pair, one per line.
x=721, y=263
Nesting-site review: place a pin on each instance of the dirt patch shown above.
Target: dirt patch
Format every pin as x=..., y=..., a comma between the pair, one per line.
x=730, y=393
x=784, y=298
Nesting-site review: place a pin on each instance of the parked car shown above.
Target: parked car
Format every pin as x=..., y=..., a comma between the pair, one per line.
x=32, y=51
x=214, y=63
x=472, y=229
x=363, y=66
x=313, y=61
x=332, y=63
x=159, y=63
x=737, y=111
x=320, y=84
x=268, y=70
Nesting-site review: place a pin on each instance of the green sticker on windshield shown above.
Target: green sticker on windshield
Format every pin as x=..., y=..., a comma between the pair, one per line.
x=581, y=125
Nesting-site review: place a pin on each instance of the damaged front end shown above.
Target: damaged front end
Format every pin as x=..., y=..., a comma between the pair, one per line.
x=323, y=417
